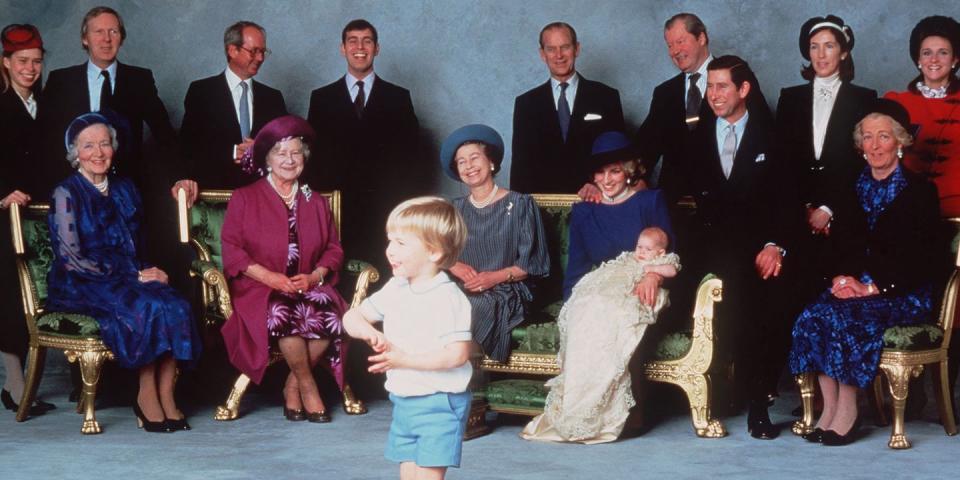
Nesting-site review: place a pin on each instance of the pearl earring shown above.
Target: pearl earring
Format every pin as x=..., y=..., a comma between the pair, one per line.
x=899, y=152
x=492, y=168
x=269, y=169
x=864, y=156
x=919, y=67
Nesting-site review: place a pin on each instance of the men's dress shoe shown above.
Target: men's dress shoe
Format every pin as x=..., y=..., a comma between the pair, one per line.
x=38, y=407
x=318, y=417
x=294, y=415
x=759, y=424
x=815, y=436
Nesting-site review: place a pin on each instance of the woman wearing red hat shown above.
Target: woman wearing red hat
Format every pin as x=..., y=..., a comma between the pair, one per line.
x=281, y=256
x=19, y=92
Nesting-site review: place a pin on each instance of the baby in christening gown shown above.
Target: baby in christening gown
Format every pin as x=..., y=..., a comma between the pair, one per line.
x=601, y=326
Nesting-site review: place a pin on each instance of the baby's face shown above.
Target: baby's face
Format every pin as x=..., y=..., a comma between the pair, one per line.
x=647, y=248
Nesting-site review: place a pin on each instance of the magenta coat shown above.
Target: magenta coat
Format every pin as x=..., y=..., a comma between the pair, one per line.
x=255, y=232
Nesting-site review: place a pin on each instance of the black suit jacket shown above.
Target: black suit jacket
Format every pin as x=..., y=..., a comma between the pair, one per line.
x=210, y=129
x=905, y=250
x=542, y=161
x=739, y=215
x=839, y=162
x=66, y=96
x=377, y=152
x=664, y=133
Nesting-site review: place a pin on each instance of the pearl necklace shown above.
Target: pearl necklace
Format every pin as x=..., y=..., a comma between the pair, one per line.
x=488, y=200
x=620, y=196
x=103, y=186
x=289, y=198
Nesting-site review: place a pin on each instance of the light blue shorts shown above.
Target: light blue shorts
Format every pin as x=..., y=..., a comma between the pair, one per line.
x=428, y=430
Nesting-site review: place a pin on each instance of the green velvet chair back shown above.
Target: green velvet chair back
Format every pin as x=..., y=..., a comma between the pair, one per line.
x=555, y=214
x=33, y=248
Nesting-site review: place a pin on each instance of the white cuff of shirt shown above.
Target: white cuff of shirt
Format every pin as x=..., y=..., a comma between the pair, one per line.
x=826, y=209
x=783, y=251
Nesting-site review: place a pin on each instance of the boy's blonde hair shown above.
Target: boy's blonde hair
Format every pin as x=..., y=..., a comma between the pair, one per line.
x=436, y=222
x=658, y=235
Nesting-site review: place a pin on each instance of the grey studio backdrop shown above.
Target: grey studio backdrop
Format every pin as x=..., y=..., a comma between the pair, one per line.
x=465, y=61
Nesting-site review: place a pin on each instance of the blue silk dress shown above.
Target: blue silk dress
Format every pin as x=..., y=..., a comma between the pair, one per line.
x=95, y=273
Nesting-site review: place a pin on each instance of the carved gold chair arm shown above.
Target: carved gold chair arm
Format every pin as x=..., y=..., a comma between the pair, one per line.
x=366, y=274
x=214, y=278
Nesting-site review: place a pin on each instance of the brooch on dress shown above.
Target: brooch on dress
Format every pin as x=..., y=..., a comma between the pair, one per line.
x=305, y=190
x=509, y=207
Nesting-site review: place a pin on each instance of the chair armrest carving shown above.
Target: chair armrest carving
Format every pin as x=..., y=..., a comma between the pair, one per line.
x=366, y=275
x=215, y=279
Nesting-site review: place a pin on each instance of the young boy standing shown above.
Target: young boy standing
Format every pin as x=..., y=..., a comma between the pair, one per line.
x=425, y=345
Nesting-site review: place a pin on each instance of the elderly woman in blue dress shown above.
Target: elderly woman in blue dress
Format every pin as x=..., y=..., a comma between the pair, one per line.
x=95, y=220
x=506, y=247
x=886, y=251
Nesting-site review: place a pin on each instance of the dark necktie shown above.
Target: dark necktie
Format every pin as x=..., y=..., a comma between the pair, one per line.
x=106, y=93
x=359, y=100
x=693, y=101
x=563, y=111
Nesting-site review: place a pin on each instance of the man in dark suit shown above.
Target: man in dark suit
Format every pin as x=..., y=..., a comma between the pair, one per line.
x=224, y=112
x=748, y=217
x=677, y=106
x=367, y=144
x=555, y=124
x=103, y=83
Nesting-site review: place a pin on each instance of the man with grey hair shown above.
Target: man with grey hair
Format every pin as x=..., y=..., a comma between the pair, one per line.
x=224, y=112
x=102, y=83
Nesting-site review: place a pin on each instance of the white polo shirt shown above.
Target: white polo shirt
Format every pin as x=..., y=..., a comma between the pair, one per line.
x=418, y=320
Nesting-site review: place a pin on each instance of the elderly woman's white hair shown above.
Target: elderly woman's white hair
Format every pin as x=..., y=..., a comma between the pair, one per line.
x=80, y=124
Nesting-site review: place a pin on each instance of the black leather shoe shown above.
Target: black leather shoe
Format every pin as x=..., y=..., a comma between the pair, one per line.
x=180, y=424
x=815, y=436
x=834, y=439
x=294, y=415
x=38, y=408
x=318, y=417
x=759, y=424
x=163, y=426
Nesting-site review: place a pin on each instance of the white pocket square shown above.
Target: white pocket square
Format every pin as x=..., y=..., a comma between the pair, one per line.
x=591, y=117
x=760, y=158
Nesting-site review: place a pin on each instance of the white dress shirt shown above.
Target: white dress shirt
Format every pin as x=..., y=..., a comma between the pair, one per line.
x=95, y=83
x=701, y=82
x=824, y=97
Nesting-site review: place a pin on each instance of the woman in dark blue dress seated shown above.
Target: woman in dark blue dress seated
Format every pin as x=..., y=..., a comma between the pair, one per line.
x=506, y=247
x=886, y=251
x=601, y=231
x=95, y=220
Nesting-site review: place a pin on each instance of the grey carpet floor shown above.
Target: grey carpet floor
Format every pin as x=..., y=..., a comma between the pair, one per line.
x=261, y=445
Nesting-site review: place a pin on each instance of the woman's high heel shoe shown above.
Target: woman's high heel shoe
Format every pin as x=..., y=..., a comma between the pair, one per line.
x=318, y=417
x=163, y=426
x=294, y=415
x=179, y=424
x=815, y=436
x=834, y=439
x=39, y=407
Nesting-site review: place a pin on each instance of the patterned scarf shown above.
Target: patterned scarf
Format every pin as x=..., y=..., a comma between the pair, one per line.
x=876, y=195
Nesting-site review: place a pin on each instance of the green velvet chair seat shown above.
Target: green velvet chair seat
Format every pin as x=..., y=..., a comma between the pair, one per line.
x=913, y=337
x=673, y=346
x=68, y=324
x=517, y=393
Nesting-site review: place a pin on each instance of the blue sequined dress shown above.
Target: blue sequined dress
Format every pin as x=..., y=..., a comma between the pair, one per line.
x=95, y=273
x=843, y=338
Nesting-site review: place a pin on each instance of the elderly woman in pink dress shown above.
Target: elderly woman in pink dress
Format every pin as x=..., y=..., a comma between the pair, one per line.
x=281, y=255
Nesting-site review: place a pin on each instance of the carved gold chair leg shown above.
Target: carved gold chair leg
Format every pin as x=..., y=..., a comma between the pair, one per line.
x=91, y=363
x=877, y=401
x=806, y=383
x=36, y=357
x=944, y=397
x=898, y=376
x=231, y=409
x=351, y=404
x=697, y=388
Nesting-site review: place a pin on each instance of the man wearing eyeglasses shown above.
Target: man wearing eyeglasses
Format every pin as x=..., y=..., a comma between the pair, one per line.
x=224, y=112
x=103, y=83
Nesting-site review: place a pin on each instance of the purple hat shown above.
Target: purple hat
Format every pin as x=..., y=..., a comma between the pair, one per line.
x=278, y=130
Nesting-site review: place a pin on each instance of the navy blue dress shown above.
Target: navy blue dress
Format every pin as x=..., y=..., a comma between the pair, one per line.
x=95, y=269
x=600, y=232
x=844, y=338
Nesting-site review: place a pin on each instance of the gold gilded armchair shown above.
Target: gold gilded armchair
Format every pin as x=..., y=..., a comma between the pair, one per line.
x=907, y=349
x=200, y=226
x=77, y=335
x=680, y=358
